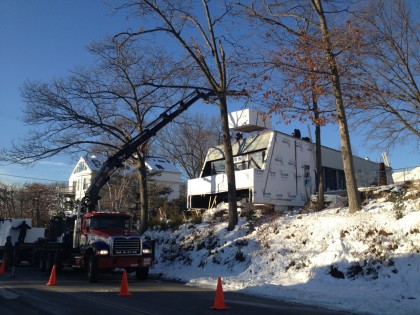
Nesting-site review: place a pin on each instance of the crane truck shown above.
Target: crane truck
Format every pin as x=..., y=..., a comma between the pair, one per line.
x=95, y=241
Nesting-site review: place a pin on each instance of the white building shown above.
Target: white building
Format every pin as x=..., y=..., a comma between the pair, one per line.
x=271, y=168
x=166, y=174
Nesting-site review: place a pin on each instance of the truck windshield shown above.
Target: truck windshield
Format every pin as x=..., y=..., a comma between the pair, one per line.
x=110, y=223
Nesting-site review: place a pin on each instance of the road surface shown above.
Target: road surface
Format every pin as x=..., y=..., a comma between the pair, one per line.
x=26, y=293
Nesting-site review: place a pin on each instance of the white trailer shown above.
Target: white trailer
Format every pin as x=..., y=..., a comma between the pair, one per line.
x=6, y=229
x=22, y=251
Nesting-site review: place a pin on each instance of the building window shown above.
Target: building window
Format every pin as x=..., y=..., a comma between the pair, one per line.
x=334, y=179
x=80, y=168
x=218, y=167
x=96, y=163
x=341, y=180
x=330, y=179
x=307, y=176
x=85, y=183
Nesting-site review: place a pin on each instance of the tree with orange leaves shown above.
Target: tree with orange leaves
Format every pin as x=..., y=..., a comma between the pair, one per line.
x=315, y=61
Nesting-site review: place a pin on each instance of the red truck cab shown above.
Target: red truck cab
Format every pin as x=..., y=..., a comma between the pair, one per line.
x=107, y=242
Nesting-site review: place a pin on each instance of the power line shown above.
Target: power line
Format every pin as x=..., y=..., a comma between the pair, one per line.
x=34, y=178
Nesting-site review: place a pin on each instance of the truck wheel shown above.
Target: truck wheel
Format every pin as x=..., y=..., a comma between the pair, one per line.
x=49, y=262
x=35, y=259
x=142, y=273
x=92, y=269
x=42, y=263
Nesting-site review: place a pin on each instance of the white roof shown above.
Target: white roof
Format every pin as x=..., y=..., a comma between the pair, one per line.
x=161, y=164
x=94, y=163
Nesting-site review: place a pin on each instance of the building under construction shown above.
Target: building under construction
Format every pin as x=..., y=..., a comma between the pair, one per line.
x=274, y=168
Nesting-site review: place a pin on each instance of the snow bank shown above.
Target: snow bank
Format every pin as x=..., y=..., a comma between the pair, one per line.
x=406, y=175
x=367, y=262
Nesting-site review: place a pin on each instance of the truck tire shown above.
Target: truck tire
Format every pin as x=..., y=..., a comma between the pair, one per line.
x=42, y=262
x=36, y=256
x=49, y=262
x=92, y=269
x=142, y=273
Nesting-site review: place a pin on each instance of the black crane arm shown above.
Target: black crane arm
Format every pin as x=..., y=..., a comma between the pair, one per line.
x=114, y=162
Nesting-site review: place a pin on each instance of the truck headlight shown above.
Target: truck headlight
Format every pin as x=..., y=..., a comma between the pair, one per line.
x=103, y=252
x=147, y=251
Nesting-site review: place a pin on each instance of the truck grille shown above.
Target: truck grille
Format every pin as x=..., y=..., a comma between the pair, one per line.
x=126, y=246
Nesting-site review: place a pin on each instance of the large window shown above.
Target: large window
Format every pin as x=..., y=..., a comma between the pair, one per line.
x=241, y=162
x=334, y=179
x=218, y=167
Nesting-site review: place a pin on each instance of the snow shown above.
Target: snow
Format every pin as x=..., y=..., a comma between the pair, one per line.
x=366, y=262
x=407, y=174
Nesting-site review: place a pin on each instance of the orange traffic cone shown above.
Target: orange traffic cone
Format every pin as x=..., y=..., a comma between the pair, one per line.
x=124, y=286
x=53, y=279
x=219, y=300
x=3, y=267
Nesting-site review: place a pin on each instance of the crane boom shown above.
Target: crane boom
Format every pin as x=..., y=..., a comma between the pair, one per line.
x=114, y=162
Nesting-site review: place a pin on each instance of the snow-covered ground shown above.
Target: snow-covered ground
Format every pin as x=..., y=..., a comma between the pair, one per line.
x=406, y=174
x=367, y=262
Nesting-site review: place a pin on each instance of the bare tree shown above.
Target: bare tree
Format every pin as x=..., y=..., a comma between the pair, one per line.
x=389, y=83
x=103, y=107
x=295, y=20
x=186, y=142
x=194, y=29
x=30, y=201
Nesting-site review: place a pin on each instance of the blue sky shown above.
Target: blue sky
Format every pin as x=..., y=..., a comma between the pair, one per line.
x=44, y=39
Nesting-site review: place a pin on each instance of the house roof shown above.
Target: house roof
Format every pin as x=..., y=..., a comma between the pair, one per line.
x=94, y=163
x=161, y=164
x=88, y=164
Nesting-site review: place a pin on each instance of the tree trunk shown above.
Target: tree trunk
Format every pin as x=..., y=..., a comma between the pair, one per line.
x=230, y=170
x=319, y=170
x=143, y=195
x=318, y=152
x=351, y=184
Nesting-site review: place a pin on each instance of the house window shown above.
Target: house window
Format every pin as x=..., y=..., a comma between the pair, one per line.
x=85, y=183
x=330, y=179
x=160, y=167
x=341, y=180
x=218, y=167
x=256, y=159
x=80, y=168
x=307, y=176
x=334, y=179
x=96, y=163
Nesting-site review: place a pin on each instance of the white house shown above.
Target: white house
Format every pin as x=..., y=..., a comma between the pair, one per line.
x=166, y=174
x=271, y=167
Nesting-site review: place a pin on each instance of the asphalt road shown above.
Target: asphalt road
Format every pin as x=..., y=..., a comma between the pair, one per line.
x=26, y=293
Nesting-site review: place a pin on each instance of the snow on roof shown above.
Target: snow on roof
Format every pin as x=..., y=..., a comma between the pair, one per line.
x=161, y=164
x=94, y=162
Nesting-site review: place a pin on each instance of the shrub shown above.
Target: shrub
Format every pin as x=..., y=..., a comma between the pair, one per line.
x=397, y=198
